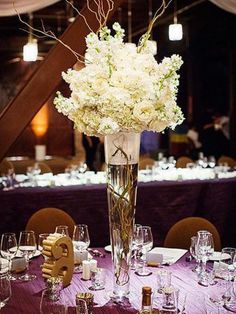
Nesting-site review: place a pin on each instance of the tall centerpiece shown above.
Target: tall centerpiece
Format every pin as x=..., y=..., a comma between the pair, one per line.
x=121, y=91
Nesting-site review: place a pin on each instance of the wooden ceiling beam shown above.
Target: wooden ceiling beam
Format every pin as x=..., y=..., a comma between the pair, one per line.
x=20, y=111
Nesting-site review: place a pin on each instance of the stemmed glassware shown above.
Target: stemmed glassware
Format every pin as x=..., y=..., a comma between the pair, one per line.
x=62, y=229
x=27, y=246
x=9, y=249
x=5, y=289
x=50, y=305
x=204, y=249
x=80, y=237
x=137, y=244
x=193, y=253
x=82, y=167
x=147, y=246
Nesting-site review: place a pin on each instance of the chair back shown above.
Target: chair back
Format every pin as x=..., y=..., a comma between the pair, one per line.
x=44, y=167
x=183, y=161
x=45, y=220
x=227, y=160
x=5, y=166
x=144, y=162
x=179, y=235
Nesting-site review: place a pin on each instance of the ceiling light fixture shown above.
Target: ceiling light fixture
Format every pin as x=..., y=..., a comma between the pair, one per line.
x=175, y=29
x=30, y=50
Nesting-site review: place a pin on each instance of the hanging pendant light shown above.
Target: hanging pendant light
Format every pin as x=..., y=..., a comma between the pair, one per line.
x=30, y=50
x=175, y=29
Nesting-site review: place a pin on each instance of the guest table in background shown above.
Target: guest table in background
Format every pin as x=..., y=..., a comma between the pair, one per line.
x=159, y=204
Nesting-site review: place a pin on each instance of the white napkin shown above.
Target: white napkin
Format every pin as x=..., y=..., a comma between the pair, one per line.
x=170, y=255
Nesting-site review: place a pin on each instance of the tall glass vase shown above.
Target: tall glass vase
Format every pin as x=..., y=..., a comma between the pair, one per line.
x=122, y=155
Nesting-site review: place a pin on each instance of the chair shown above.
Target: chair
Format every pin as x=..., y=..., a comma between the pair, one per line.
x=179, y=235
x=43, y=167
x=5, y=166
x=183, y=161
x=45, y=220
x=146, y=161
x=227, y=160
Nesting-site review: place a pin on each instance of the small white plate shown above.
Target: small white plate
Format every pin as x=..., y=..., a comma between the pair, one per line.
x=108, y=248
x=37, y=253
x=217, y=256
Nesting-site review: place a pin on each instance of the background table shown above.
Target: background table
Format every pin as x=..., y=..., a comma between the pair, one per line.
x=159, y=204
x=26, y=296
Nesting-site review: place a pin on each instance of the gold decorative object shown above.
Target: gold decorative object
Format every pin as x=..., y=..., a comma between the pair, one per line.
x=59, y=261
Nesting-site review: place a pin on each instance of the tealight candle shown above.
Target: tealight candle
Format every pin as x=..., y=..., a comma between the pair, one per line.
x=86, y=270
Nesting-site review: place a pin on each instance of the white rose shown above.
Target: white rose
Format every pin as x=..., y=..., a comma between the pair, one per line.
x=108, y=126
x=158, y=125
x=144, y=112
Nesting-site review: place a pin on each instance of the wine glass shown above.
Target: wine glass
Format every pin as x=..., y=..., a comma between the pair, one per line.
x=82, y=167
x=193, y=253
x=80, y=237
x=147, y=246
x=9, y=249
x=204, y=249
x=137, y=244
x=5, y=289
x=62, y=229
x=227, y=269
x=42, y=237
x=211, y=161
x=27, y=246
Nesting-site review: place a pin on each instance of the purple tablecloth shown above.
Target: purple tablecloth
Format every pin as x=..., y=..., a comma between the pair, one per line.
x=159, y=204
x=26, y=296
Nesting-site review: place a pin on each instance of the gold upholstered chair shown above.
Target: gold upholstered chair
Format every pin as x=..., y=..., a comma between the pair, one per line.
x=183, y=161
x=43, y=167
x=179, y=235
x=144, y=162
x=5, y=166
x=45, y=220
x=227, y=160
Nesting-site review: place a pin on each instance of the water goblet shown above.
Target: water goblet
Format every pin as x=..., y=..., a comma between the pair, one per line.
x=211, y=162
x=80, y=240
x=193, y=253
x=147, y=246
x=62, y=229
x=42, y=237
x=5, y=289
x=8, y=249
x=137, y=244
x=163, y=279
x=82, y=167
x=27, y=246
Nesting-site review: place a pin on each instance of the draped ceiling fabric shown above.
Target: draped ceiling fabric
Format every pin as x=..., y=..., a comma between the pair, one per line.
x=23, y=6
x=228, y=5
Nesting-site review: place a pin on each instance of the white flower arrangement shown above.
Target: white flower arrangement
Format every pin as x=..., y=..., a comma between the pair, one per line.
x=121, y=87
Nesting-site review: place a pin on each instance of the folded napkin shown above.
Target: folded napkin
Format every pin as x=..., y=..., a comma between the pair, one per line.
x=169, y=255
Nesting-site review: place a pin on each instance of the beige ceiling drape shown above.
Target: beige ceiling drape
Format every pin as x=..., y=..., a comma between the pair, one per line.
x=23, y=6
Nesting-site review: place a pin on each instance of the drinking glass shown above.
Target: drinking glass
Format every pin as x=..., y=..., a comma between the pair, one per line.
x=27, y=246
x=5, y=289
x=8, y=249
x=80, y=237
x=42, y=236
x=211, y=161
x=82, y=167
x=193, y=253
x=170, y=299
x=50, y=305
x=163, y=279
x=204, y=249
x=147, y=246
x=62, y=229
x=98, y=279
x=137, y=244
x=227, y=267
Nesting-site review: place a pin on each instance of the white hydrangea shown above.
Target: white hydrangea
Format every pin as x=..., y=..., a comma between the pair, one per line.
x=121, y=88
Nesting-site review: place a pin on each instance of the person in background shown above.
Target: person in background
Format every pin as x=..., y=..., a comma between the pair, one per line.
x=90, y=144
x=214, y=141
x=194, y=144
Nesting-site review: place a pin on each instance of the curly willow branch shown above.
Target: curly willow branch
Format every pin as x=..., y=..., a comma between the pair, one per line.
x=100, y=15
x=122, y=207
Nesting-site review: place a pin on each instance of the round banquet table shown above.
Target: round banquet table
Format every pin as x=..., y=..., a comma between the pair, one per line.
x=26, y=295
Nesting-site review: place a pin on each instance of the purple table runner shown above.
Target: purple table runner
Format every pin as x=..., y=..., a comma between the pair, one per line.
x=26, y=296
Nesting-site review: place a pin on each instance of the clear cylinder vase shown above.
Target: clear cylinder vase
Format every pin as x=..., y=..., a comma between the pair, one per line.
x=122, y=155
